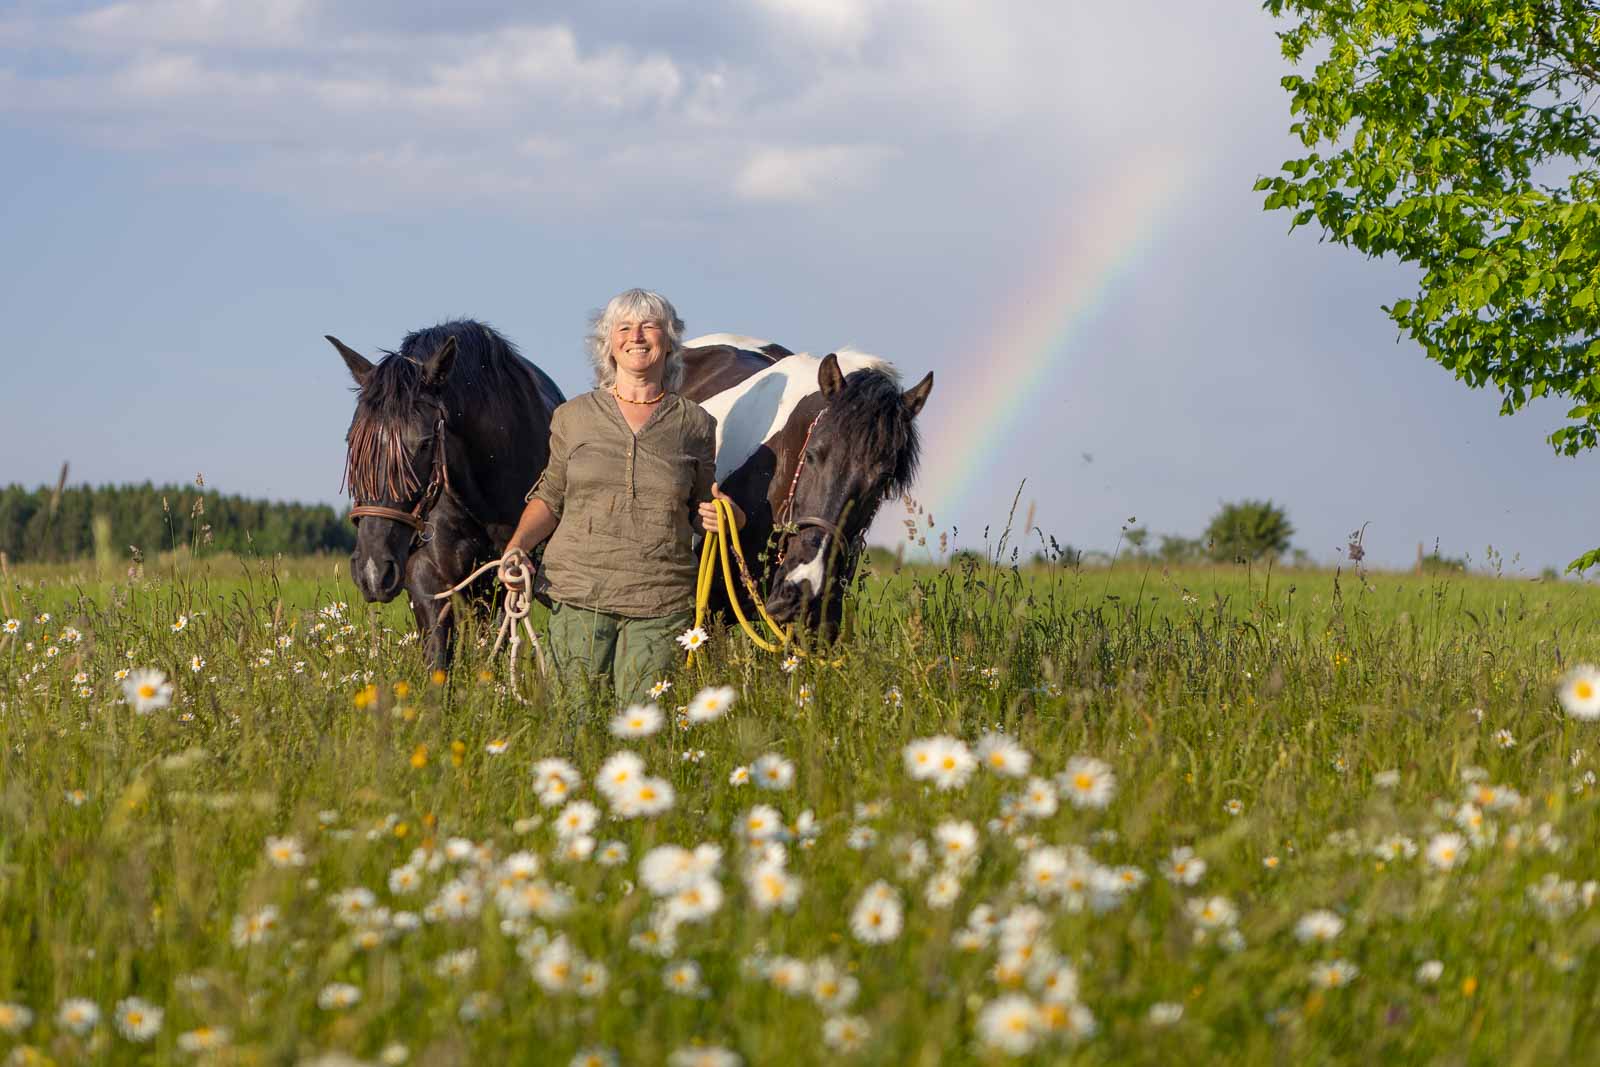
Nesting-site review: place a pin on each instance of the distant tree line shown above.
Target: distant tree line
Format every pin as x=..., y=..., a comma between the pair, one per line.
x=47, y=524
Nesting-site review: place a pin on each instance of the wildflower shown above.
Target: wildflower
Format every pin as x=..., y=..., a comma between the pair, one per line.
x=1038, y=799
x=645, y=797
x=455, y=965
x=354, y=904
x=1004, y=756
x=1010, y=1023
x=1234, y=806
x=576, y=818
x=612, y=854
x=711, y=702
x=1580, y=692
x=285, y=852
x=845, y=1033
x=1183, y=867
x=1429, y=972
x=877, y=917
x=893, y=697
x=696, y=902
x=1505, y=739
x=11, y=626
x=1333, y=974
x=861, y=838
x=1395, y=847
x=254, y=928
x=761, y=823
x=147, y=690
x=772, y=771
x=956, y=842
x=594, y=1056
x=639, y=720
x=620, y=771
x=555, y=965
x=197, y=664
x=181, y=624
x=1446, y=850
x=944, y=760
x=554, y=779
x=204, y=1039
x=14, y=1018
x=772, y=887
x=1386, y=779
x=692, y=638
x=831, y=987
x=78, y=1015
x=1320, y=925
x=942, y=890
x=660, y=689
x=336, y=996
x=497, y=746
x=138, y=1019
x=1212, y=913
x=683, y=978
x=1271, y=863
x=739, y=775
x=804, y=694
x=459, y=899
x=1087, y=782
x=790, y=663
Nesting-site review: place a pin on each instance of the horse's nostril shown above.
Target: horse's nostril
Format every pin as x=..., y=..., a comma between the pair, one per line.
x=391, y=575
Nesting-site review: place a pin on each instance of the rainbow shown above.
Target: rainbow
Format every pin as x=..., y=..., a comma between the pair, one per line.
x=1103, y=239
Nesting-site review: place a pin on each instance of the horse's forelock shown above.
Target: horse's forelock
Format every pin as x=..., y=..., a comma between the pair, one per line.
x=869, y=418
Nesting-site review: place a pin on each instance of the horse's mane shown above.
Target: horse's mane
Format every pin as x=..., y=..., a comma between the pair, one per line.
x=377, y=466
x=870, y=420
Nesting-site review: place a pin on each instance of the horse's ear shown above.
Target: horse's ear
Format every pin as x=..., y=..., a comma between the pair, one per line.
x=830, y=379
x=917, y=395
x=437, y=369
x=360, y=366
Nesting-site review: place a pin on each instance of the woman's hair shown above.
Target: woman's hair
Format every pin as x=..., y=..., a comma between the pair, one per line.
x=637, y=304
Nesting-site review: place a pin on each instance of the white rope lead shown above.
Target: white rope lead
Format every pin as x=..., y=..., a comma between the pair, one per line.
x=514, y=611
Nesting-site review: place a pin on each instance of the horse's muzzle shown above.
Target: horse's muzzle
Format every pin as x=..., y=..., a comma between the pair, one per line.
x=379, y=581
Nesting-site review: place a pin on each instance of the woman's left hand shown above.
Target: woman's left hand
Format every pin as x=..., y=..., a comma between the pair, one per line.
x=708, y=510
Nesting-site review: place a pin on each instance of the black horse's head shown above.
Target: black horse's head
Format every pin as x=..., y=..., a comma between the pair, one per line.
x=861, y=447
x=394, y=468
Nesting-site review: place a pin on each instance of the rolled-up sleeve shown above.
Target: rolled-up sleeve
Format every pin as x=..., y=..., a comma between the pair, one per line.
x=552, y=484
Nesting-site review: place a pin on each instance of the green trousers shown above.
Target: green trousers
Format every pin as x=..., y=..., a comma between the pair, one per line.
x=595, y=651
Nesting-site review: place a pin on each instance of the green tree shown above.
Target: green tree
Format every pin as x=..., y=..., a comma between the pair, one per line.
x=1457, y=136
x=1249, y=529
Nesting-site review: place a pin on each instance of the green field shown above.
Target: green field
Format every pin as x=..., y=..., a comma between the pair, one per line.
x=1314, y=738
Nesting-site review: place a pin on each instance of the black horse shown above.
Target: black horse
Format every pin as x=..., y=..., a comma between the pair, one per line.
x=809, y=449
x=448, y=435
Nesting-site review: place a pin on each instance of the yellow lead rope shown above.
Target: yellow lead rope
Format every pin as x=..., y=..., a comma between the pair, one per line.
x=715, y=546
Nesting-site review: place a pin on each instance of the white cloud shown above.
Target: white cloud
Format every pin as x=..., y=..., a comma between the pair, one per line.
x=837, y=23
x=806, y=173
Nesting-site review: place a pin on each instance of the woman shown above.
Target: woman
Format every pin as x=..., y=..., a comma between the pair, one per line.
x=628, y=483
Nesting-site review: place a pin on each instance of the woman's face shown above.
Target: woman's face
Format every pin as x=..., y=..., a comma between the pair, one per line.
x=639, y=346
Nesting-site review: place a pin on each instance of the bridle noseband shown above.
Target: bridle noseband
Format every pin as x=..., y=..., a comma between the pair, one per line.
x=786, y=509
x=416, y=518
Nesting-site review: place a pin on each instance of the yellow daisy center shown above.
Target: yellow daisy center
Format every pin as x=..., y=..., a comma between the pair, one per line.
x=1583, y=690
x=146, y=691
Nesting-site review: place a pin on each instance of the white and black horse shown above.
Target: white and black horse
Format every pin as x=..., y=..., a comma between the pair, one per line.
x=448, y=434
x=809, y=448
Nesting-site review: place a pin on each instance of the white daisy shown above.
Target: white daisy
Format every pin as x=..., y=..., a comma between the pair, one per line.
x=78, y=1015
x=877, y=917
x=772, y=771
x=639, y=720
x=1010, y=1023
x=147, y=690
x=711, y=702
x=1580, y=692
x=693, y=638
x=1320, y=925
x=1003, y=756
x=1087, y=782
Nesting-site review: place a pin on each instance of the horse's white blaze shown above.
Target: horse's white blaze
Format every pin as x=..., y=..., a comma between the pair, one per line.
x=812, y=571
x=374, y=579
x=736, y=340
x=750, y=413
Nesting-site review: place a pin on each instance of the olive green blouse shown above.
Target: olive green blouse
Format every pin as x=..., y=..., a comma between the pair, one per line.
x=624, y=542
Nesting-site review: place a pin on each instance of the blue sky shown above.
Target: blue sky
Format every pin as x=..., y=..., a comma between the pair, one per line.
x=197, y=191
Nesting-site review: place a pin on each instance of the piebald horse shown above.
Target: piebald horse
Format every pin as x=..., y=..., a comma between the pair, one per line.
x=448, y=434
x=809, y=448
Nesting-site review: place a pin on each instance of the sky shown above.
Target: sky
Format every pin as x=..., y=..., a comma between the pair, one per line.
x=1045, y=202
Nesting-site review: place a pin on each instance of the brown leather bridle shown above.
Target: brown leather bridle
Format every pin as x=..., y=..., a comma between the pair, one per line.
x=416, y=518
x=786, y=509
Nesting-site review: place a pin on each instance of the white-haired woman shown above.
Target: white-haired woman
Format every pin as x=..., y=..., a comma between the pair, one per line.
x=628, y=483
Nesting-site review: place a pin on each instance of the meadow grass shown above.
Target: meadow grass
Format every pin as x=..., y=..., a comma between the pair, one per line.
x=1307, y=734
